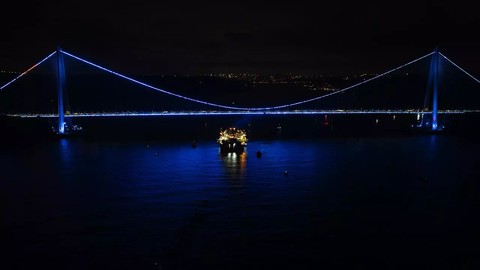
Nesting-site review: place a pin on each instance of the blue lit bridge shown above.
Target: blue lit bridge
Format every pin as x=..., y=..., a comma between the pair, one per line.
x=240, y=112
x=373, y=95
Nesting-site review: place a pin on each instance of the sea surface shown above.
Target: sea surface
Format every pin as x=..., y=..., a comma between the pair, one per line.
x=402, y=202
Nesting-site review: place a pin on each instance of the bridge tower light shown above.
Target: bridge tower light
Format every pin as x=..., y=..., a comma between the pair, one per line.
x=60, y=86
x=435, y=90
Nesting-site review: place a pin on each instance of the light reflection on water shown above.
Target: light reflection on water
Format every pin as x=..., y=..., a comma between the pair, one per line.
x=127, y=204
x=235, y=164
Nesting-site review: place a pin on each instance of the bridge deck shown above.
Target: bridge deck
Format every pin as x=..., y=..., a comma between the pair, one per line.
x=199, y=113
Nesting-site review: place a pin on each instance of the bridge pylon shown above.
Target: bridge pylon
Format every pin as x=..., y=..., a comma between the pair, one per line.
x=435, y=90
x=60, y=89
x=431, y=96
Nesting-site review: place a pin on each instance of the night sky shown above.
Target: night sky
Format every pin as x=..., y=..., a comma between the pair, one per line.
x=163, y=37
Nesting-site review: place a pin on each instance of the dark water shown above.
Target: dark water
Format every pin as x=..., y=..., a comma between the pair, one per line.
x=407, y=202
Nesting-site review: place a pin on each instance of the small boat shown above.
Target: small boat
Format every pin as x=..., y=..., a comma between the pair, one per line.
x=232, y=140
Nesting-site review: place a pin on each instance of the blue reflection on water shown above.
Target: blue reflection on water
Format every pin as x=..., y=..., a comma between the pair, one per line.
x=128, y=204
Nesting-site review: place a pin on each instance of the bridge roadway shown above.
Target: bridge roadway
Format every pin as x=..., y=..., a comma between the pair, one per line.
x=241, y=112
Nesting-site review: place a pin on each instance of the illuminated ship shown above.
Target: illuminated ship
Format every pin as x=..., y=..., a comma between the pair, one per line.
x=232, y=140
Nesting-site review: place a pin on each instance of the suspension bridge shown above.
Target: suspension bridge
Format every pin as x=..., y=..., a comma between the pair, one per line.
x=429, y=109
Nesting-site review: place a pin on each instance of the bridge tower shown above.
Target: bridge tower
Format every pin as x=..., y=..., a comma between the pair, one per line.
x=434, y=72
x=431, y=96
x=60, y=86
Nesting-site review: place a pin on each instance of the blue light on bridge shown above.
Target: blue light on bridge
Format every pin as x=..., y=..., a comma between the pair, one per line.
x=212, y=113
x=245, y=108
x=461, y=69
x=27, y=71
x=234, y=110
